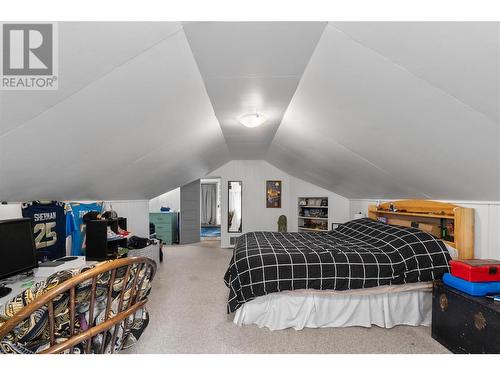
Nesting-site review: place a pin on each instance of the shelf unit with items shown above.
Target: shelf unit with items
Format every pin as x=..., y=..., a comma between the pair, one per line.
x=454, y=225
x=313, y=214
x=98, y=246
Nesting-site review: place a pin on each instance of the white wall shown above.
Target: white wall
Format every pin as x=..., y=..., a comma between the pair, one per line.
x=10, y=211
x=253, y=174
x=487, y=224
x=136, y=212
x=170, y=199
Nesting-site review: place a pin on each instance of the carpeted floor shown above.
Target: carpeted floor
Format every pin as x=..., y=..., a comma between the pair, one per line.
x=188, y=315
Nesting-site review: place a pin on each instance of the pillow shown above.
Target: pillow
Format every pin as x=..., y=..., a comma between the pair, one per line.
x=453, y=252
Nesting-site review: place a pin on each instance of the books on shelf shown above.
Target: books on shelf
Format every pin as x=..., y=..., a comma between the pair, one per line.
x=313, y=214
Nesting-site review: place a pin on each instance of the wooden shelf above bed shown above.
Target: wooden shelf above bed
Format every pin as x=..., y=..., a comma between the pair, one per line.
x=437, y=216
x=434, y=214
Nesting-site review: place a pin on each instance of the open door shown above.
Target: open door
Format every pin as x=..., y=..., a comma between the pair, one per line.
x=189, y=227
x=210, y=209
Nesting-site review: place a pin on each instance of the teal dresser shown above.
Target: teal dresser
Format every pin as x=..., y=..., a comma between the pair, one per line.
x=165, y=226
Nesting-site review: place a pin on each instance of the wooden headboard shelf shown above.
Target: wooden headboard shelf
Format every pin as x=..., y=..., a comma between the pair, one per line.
x=432, y=216
x=406, y=213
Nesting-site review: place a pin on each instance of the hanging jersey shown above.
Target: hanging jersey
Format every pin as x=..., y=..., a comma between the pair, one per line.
x=78, y=235
x=49, y=222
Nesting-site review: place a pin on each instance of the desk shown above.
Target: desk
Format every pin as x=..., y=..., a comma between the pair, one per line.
x=19, y=285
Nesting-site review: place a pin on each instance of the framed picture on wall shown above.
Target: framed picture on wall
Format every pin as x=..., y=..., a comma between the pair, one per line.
x=273, y=194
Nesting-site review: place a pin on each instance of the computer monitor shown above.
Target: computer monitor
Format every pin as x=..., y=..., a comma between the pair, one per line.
x=17, y=249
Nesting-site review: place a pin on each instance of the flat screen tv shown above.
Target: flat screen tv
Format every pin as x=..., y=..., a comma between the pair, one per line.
x=17, y=249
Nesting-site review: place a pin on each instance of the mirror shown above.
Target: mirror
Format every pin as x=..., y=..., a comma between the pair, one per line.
x=234, y=189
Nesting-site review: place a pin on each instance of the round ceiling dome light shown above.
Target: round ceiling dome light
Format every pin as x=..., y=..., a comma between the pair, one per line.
x=252, y=120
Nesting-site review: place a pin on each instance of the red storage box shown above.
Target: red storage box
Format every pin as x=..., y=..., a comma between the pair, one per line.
x=476, y=270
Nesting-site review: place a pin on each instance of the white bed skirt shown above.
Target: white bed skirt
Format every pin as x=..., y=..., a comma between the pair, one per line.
x=314, y=310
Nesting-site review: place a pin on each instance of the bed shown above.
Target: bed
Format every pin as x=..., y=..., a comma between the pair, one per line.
x=363, y=273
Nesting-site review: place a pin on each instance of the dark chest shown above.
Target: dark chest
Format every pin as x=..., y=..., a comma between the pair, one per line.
x=465, y=324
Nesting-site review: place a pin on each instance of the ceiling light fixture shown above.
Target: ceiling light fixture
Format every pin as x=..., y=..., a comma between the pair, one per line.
x=252, y=120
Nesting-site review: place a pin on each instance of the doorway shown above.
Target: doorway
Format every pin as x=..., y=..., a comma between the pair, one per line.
x=210, y=208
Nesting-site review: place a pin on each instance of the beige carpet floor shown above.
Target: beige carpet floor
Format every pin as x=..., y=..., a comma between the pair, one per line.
x=188, y=315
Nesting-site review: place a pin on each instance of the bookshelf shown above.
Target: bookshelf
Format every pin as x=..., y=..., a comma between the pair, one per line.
x=313, y=214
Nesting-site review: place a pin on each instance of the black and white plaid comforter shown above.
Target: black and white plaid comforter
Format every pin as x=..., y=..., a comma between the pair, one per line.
x=359, y=254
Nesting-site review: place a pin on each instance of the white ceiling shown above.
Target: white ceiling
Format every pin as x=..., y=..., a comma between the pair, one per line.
x=460, y=58
x=364, y=125
x=88, y=51
x=368, y=110
x=141, y=123
x=248, y=67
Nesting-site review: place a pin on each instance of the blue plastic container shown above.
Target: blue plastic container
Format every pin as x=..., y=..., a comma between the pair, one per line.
x=472, y=288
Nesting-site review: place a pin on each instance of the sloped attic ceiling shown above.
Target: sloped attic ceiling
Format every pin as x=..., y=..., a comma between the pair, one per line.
x=369, y=110
x=248, y=67
x=398, y=110
x=131, y=118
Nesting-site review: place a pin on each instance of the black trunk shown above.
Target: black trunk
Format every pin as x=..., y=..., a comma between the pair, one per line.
x=463, y=323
